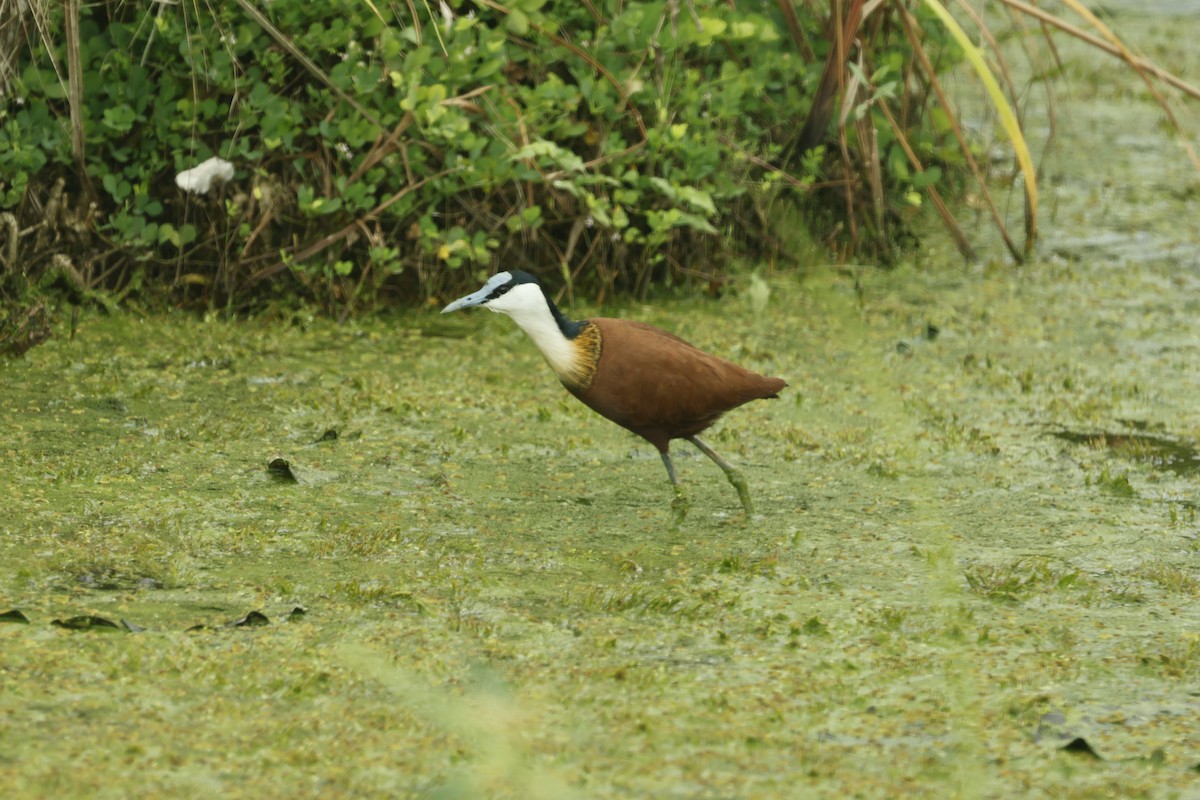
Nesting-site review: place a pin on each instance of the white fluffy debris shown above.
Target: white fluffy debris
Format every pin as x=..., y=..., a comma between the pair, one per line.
x=200, y=179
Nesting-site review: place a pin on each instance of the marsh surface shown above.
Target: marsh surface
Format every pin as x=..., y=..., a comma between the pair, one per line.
x=976, y=542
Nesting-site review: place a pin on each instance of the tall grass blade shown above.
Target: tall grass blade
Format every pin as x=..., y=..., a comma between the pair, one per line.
x=1008, y=118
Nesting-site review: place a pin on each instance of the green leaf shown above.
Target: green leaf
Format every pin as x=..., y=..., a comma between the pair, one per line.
x=710, y=27
x=517, y=23
x=559, y=156
x=120, y=119
x=929, y=176
x=664, y=187
x=697, y=198
x=116, y=186
x=167, y=233
x=695, y=222
x=743, y=29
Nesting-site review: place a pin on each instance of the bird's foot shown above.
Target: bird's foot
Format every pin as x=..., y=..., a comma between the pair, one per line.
x=679, y=506
x=743, y=490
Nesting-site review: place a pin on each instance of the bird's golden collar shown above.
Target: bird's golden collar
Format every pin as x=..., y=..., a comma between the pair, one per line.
x=586, y=347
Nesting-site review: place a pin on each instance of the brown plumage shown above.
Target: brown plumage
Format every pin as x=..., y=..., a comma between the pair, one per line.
x=661, y=387
x=646, y=380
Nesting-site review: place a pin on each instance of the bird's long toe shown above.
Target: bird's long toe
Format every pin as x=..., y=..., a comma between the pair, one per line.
x=679, y=505
x=743, y=490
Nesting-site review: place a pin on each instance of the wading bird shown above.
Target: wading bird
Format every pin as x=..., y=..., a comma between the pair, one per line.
x=644, y=379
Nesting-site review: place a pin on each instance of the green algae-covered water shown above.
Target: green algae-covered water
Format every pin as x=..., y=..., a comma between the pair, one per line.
x=974, y=569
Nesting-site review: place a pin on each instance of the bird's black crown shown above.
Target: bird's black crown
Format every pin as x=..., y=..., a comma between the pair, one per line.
x=517, y=278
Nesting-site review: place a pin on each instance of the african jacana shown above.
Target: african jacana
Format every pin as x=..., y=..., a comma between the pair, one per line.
x=644, y=379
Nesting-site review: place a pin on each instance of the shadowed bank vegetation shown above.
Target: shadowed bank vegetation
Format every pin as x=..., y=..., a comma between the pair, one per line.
x=393, y=151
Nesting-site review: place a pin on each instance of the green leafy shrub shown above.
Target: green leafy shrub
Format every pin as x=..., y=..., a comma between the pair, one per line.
x=610, y=141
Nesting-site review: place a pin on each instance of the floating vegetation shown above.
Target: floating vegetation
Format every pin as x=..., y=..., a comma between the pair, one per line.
x=1159, y=451
x=1020, y=579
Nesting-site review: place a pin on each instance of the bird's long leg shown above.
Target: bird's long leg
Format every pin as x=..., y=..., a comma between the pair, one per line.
x=731, y=472
x=666, y=457
x=680, y=504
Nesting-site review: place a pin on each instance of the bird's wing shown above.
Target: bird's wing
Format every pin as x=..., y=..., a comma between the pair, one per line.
x=656, y=378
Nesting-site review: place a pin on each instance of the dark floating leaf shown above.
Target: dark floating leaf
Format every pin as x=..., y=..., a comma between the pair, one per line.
x=1080, y=745
x=86, y=622
x=282, y=470
x=132, y=627
x=931, y=331
x=107, y=404
x=194, y=628
x=253, y=619
x=14, y=616
x=296, y=613
x=1160, y=452
x=330, y=435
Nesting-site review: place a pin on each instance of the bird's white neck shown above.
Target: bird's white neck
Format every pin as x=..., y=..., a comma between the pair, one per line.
x=528, y=308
